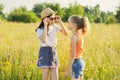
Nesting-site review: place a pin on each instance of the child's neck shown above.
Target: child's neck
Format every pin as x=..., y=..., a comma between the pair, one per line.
x=75, y=32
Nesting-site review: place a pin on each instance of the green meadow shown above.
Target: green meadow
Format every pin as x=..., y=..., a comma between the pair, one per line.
x=19, y=48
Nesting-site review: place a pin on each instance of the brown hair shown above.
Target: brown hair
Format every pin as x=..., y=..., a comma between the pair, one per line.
x=82, y=23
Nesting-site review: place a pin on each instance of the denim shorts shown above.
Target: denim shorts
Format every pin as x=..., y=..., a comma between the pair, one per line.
x=77, y=68
x=47, y=58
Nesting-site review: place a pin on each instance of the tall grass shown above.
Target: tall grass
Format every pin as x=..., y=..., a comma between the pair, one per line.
x=19, y=52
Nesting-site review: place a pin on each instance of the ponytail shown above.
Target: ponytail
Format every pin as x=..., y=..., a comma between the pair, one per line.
x=85, y=25
x=82, y=23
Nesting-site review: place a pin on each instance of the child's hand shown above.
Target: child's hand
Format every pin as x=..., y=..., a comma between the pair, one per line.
x=58, y=19
x=45, y=21
x=67, y=73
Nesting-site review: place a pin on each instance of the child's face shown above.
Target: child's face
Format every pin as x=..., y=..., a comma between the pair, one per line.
x=71, y=25
x=51, y=19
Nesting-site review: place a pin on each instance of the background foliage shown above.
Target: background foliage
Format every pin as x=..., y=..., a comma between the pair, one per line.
x=93, y=13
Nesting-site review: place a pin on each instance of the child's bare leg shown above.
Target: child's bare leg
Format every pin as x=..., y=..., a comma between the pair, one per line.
x=74, y=79
x=54, y=74
x=81, y=78
x=45, y=73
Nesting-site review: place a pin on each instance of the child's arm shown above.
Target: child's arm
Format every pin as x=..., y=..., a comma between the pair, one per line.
x=63, y=30
x=73, y=53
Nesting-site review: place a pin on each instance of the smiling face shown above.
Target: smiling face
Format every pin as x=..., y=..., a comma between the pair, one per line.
x=51, y=19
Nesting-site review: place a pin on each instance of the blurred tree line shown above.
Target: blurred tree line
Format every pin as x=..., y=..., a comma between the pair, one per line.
x=22, y=14
x=2, y=15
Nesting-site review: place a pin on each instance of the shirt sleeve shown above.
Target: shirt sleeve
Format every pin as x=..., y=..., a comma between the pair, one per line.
x=39, y=32
x=57, y=28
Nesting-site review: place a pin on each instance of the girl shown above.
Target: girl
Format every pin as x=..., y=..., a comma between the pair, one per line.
x=79, y=27
x=48, y=57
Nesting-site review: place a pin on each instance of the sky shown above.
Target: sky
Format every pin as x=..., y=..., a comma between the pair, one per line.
x=105, y=5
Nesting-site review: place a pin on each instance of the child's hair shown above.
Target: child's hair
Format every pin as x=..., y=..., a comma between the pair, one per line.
x=41, y=26
x=82, y=23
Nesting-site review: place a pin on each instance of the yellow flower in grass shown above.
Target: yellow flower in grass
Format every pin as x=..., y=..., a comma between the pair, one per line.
x=7, y=63
x=6, y=66
x=32, y=66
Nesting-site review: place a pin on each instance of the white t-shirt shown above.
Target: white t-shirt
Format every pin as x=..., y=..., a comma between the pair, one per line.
x=51, y=38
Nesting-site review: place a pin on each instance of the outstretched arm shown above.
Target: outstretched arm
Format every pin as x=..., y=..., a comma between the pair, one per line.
x=63, y=30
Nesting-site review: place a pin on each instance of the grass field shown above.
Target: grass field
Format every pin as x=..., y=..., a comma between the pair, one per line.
x=19, y=51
